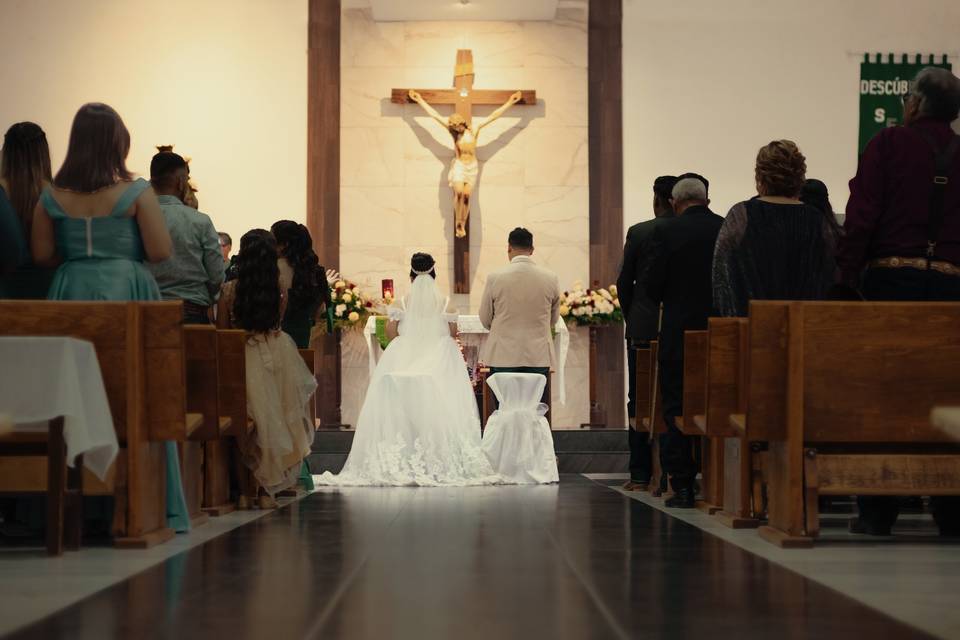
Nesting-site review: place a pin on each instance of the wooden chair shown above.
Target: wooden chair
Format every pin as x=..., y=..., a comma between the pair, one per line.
x=843, y=393
x=140, y=350
x=64, y=485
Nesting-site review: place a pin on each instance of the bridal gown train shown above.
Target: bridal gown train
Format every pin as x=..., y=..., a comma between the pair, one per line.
x=419, y=425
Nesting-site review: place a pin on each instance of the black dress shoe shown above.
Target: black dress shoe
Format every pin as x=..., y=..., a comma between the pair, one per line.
x=857, y=525
x=682, y=499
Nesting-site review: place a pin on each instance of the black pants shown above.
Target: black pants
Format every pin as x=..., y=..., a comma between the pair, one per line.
x=641, y=460
x=543, y=371
x=919, y=286
x=676, y=449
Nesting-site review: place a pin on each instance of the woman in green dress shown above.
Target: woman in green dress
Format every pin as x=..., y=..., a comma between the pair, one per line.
x=24, y=173
x=99, y=224
x=308, y=293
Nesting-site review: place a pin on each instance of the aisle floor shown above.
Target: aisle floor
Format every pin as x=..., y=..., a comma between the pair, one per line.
x=576, y=560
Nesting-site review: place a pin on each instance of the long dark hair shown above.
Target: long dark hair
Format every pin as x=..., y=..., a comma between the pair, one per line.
x=309, y=279
x=97, y=152
x=256, y=306
x=815, y=194
x=25, y=166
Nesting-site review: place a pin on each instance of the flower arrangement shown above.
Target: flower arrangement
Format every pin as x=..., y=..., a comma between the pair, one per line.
x=590, y=307
x=348, y=306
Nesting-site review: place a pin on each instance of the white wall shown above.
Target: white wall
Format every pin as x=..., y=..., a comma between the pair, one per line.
x=707, y=83
x=224, y=80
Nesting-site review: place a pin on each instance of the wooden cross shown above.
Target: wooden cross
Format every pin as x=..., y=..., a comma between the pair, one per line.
x=463, y=96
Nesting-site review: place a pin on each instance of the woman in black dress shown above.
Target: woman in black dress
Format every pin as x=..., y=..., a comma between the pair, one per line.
x=773, y=246
x=306, y=280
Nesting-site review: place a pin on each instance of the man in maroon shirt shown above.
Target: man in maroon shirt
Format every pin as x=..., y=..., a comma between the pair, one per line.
x=891, y=251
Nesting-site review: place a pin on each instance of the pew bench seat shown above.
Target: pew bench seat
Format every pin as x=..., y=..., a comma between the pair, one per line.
x=700, y=422
x=193, y=422
x=738, y=422
x=947, y=419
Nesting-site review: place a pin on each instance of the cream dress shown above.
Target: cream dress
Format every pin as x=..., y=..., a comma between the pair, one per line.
x=279, y=388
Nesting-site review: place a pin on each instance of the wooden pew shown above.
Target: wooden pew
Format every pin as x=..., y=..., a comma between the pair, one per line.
x=232, y=402
x=734, y=473
x=141, y=355
x=694, y=382
x=653, y=421
x=693, y=420
x=843, y=393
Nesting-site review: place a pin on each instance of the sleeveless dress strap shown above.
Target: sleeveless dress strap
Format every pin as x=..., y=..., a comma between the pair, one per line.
x=51, y=205
x=128, y=197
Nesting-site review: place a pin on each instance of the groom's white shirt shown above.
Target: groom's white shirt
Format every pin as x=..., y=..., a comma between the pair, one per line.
x=520, y=306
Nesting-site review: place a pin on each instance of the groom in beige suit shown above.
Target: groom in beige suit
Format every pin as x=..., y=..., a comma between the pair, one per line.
x=520, y=306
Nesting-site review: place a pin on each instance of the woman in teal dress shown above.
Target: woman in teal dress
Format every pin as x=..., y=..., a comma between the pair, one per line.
x=24, y=173
x=99, y=224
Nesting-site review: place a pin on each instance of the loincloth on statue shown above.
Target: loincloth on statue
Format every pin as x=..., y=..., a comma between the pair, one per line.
x=463, y=172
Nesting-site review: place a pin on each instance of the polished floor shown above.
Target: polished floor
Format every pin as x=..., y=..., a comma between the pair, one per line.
x=576, y=560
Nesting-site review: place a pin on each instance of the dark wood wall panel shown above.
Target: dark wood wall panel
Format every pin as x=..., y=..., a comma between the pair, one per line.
x=605, y=82
x=323, y=177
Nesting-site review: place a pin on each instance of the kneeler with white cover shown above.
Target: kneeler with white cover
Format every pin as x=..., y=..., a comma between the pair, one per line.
x=517, y=441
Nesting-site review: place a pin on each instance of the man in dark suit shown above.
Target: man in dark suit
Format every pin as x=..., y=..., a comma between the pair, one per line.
x=678, y=274
x=642, y=323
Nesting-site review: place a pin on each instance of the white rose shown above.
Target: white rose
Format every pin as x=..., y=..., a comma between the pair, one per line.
x=347, y=297
x=341, y=308
x=353, y=317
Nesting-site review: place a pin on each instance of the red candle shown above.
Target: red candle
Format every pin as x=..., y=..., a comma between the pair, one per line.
x=386, y=286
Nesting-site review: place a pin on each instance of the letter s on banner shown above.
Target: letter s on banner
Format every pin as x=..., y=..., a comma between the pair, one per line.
x=880, y=115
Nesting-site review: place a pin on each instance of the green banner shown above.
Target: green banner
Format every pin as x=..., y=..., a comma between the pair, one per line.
x=882, y=86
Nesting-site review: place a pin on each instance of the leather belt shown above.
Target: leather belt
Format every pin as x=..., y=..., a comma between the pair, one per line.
x=896, y=262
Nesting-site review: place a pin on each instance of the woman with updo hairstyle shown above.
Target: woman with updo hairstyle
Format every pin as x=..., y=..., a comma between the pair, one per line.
x=279, y=384
x=303, y=278
x=773, y=246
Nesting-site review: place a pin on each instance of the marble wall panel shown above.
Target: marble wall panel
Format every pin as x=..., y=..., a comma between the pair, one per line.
x=366, y=43
x=371, y=157
x=556, y=156
x=395, y=158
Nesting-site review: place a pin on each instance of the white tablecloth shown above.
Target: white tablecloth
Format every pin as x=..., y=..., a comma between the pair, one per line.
x=45, y=377
x=471, y=325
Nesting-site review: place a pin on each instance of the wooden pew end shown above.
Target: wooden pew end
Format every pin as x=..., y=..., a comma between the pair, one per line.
x=225, y=424
x=220, y=510
x=733, y=521
x=707, y=507
x=783, y=539
x=153, y=538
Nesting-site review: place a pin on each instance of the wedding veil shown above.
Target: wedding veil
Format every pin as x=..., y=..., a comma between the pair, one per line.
x=423, y=315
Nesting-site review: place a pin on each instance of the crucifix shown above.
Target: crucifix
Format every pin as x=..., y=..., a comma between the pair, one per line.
x=464, y=169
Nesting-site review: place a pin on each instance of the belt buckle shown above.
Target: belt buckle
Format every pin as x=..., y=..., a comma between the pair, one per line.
x=895, y=262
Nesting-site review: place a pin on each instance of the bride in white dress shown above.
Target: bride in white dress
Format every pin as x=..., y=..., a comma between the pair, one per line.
x=419, y=425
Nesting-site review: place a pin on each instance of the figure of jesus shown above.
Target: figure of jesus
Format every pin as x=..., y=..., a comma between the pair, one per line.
x=464, y=169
